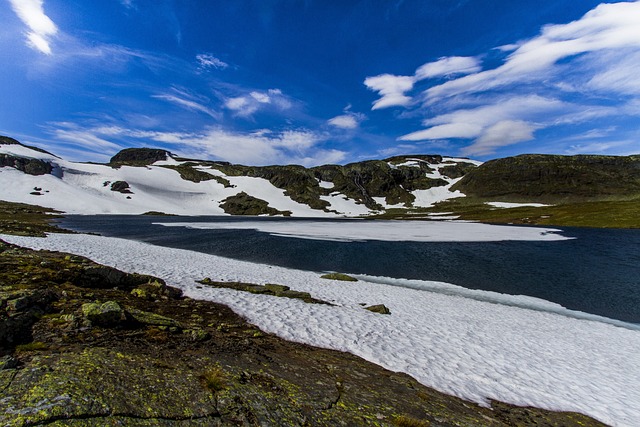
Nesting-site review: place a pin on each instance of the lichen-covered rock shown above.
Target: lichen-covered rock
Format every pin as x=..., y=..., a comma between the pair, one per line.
x=197, y=334
x=339, y=276
x=151, y=319
x=277, y=289
x=107, y=314
x=379, y=308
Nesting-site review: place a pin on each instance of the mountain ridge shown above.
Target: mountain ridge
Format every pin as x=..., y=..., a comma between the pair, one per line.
x=583, y=190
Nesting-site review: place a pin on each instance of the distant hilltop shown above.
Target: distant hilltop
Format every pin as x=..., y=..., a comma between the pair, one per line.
x=534, y=189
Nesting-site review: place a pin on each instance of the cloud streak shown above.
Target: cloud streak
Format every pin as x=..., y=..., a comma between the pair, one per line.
x=41, y=27
x=393, y=88
x=262, y=147
x=567, y=75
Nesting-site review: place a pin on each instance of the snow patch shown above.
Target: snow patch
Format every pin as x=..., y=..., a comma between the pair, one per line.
x=414, y=231
x=515, y=205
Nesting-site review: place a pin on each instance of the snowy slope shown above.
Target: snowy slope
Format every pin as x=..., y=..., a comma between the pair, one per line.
x=83, y=188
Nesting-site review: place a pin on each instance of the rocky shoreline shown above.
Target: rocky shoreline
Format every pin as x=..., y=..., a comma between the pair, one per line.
x=87, y=345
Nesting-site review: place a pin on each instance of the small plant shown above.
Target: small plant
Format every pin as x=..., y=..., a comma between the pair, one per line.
x=32, y=346
x=405, y=421
x=214, y=379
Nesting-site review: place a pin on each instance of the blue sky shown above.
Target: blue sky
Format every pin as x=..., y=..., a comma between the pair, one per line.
x=321, y=81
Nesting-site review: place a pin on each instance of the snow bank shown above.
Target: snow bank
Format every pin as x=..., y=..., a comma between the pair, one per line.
x=464, y=346
x=360, y=230
x=515, y=205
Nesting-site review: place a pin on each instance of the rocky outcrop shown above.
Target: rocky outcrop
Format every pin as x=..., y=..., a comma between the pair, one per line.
x=29, y=166
x=121, y=187
x=138, y=157
x=552, y=178
x=244, y=204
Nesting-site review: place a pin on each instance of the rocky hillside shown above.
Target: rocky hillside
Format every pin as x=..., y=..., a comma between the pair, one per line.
x=137, y=180
x=552, y=179
x=594, y=191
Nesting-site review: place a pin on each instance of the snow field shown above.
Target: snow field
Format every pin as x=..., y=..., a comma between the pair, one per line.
x=360, y=230
x=468, y=347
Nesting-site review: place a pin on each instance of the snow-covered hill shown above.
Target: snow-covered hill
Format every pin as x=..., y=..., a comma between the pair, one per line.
x=192, y=187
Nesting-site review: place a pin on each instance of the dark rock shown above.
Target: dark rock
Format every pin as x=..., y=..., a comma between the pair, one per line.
x=8, y=362
x=28, y=166
x=121, y=187
x=138, y=157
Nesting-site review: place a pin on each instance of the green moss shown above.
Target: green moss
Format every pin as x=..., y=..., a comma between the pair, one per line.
x=32, y=346
x=406, y=421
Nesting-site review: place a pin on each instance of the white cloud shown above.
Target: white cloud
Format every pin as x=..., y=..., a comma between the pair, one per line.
x=448, y=66
x=41, y=27
x=262, y=147
x=247, y=105
x=392, y=88
x=501, y=134
x=345, y=121
x=207, y=61
x=262, y=98
x=188, y=104
x=473, y=122
x=607, y=27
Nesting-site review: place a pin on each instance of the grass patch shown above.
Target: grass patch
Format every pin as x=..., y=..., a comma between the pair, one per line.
x=596, y=214
x=215, y=379
x=26, y=220
x=405, y=421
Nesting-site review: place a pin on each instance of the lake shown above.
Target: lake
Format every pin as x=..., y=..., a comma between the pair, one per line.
x=597, y=271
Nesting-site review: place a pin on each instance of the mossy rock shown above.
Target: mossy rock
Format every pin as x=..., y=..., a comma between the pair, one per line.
x=152, y=319
x=107, y=314
x=339, y=276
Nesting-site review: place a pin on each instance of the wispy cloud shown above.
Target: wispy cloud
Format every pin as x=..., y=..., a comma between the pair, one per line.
x=607, y=27
x=249, y=103
x=567, y=75
x=188, y=101
x=348, y=120
x=207, y=61
x=263, y=147
x=41, y=27
x=393, y=88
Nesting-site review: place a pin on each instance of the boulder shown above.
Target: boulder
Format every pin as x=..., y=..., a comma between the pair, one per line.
x=107, y=314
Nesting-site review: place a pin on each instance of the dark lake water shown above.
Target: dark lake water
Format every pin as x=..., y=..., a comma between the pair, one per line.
x=598, y=272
